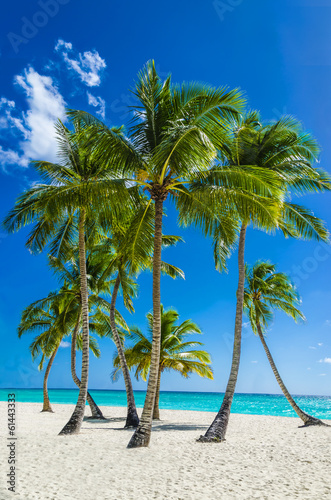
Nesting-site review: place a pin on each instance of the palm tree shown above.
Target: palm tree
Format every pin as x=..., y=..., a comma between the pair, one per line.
x=46, y=343
x=286, y=150
x=46, y=317
x=77, y=187
x=175, y=139
x=265, y=291
x=129, y=249
x=98, y=284
x=176, y=353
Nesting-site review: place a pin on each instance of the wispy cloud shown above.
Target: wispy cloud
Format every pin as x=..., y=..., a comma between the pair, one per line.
x=320, y=344
x=312, y=347
x=35, y=126
x=97, y=102
x=325, y=360
x=254, y=361
x=65, y=344
x=9, y=157
x=88, y=66
x=322, y=374
x=327, y=322
x=7, y=119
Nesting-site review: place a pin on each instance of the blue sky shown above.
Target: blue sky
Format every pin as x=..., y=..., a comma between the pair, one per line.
x=81, y=55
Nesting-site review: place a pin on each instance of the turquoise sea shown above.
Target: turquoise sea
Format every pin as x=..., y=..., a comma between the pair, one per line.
x=254, y=404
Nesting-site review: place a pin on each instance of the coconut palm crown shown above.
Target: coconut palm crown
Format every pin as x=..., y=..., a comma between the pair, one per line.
x=177, y=353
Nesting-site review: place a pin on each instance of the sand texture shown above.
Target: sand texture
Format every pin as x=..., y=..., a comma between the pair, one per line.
x=263, y=457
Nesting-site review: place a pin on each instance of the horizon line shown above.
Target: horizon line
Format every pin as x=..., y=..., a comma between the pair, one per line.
x=144, y=390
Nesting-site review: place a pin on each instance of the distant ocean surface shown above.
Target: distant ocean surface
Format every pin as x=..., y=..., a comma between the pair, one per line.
x=253, y=404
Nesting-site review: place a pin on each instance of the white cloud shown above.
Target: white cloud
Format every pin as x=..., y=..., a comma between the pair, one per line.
x=62, y=44
x=10, y=157
x=309, y=368
x=312, y=347
x=254, y=361
x=4, y=101
x=322, y=374
x=327, y=322
x=7, y=120
x=97, y=102
x=45, y=105
x=36, y=124
x=320, y=344
x=325, y=360
x=33, y=128
x=88, y=65
x=246, y=325
x=65, y=344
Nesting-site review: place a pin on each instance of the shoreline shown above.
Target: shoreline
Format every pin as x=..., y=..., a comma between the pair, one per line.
x=266, y=457
x=243, y=403
x=140, y=407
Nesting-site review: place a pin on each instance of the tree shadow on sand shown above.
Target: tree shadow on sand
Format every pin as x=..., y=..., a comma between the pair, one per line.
x=104, y=421
x=157, y=425
x=178, y=427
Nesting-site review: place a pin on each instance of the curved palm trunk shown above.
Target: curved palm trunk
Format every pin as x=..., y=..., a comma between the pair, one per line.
x=95, y=410
x=156, y=411
x=142, y=435
x=217, y=430
x=74, y=424
x=47, y=404
x=307, y=419
x=132, y=419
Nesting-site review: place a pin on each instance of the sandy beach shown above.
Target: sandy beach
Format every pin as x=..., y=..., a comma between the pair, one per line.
x=263, y=457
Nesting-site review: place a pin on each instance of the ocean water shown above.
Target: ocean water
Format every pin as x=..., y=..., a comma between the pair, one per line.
x=254, y=404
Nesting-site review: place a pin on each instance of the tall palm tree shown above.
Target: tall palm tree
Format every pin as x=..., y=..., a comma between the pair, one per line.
x=77, y=187
x=175, y=139
x=265, y=291
x=286, y=150
x=176, y=353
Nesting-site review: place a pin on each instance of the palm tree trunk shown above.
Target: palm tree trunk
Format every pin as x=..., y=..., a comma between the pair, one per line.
x=142, y=435
x=156, y=411
x=74, y=424
x=307, y=419
x=47, y=404
x=132, y=419
x=217, y=430
x=95, y=410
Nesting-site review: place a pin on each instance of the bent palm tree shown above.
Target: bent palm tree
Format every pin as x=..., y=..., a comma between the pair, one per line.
x=175, y=353
x=50, y=317
x=98, y=283
x=76, y=188
x=136, y=231
x=75, y=344
x=265, y=291
x=284, y=149
x=43, y=320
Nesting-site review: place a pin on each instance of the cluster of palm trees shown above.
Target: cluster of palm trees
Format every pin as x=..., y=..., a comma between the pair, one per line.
x=102, y=205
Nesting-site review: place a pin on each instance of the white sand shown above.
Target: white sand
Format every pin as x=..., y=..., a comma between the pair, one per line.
x=263, y=457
